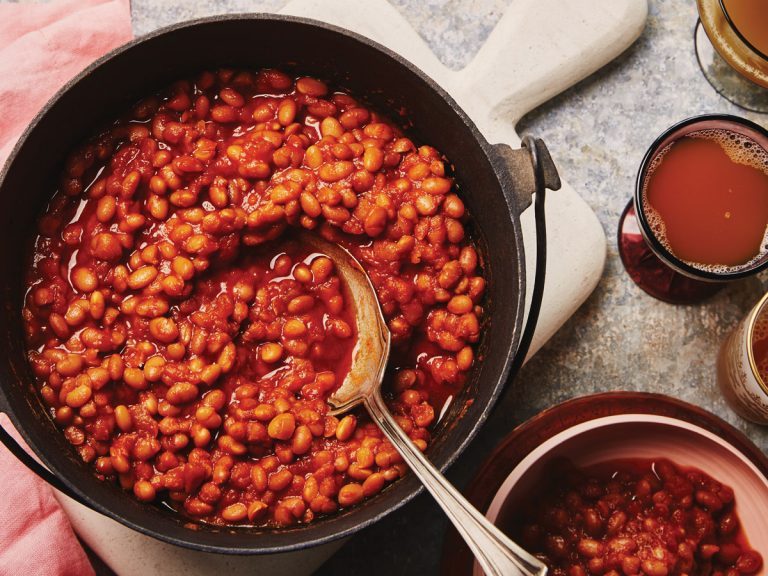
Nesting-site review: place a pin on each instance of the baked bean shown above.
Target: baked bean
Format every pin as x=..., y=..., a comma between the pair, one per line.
x=226, y=358
x=302, y=440
x=183, y=267
x=335, y=171
x=285, y=193
x=144, y=491
x=354, y=118
x=373, y=159
x=271, y=352
x=286, y=112
x=419, y=171
x=70, y=365
x=302, y=273
x=350, y=494
x=105, y=209
x=341, y=464
x=259, y=478
x=235, y=512
x=99, y=377
x=460, y=305
x=654, y=567
x=231, y=97
x=301, y=304
x=281, y=427
x=310, y=205
x=373, y=484
x=224, y=114
x=42, y=296
x=79, y=396
x=322, y=268
x=123, y=418
x=231, y=446
x=590, y=548
x=134, y=377
x=145, y=448
x=749, y=562
x=311, y=87
x=330, y=126
x=364, y=457
x=375, y=221
x=142, y=277
x=436, y=186
x=163, y=330
x=256, y=509
x=181, y=393
x=453, y=206
x=340, y=328
x=708, y=500
x=84, y=279
x=294, y=328
x=346, y=427
x=106, y=246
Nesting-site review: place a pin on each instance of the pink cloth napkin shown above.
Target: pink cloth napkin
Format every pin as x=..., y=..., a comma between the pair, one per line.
x=42, y=46
x=35, y=534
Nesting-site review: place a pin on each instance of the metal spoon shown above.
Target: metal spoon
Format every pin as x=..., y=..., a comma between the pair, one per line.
x=495, y=552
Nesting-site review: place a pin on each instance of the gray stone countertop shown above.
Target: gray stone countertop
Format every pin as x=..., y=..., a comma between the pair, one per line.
x=620, y=339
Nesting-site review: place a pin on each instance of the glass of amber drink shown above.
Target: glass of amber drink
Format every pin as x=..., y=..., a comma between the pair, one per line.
x=699, y=216
x=742, y=365
x=732, y=49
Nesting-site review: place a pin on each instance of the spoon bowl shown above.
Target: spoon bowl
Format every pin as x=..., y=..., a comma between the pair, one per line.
x=371, y=353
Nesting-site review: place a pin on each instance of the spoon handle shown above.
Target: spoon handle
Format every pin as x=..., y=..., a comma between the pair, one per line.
x=497, y=554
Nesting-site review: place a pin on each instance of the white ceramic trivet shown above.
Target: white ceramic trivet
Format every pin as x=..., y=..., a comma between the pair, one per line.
x=538, y=49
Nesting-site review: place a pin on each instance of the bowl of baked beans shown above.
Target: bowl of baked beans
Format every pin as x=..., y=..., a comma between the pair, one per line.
x=170, y=342
x=626, y=484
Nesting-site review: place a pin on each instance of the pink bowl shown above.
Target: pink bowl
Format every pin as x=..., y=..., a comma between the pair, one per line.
x=612, y=426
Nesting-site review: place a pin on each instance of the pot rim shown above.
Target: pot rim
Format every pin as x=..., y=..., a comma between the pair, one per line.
x=409, y=485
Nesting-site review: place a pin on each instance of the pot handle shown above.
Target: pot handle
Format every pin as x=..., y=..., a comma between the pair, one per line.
x=534, y=171
x=30, y=462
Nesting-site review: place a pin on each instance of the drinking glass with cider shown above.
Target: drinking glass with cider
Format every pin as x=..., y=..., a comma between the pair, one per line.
x=699, y=216
x=732, y=49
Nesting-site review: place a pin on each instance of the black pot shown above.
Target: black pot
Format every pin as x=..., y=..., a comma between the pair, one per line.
x=496, y=182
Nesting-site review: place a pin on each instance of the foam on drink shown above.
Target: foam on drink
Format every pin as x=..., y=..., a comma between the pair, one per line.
x=740, y=150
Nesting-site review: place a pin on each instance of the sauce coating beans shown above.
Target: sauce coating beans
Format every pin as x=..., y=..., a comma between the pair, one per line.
x=635, y=517
x=186, y=343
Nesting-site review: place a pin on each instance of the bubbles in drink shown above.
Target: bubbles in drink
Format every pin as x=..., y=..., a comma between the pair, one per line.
x=739, y=149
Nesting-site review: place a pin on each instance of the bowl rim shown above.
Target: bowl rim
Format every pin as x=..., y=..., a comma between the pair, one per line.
x=572, y=432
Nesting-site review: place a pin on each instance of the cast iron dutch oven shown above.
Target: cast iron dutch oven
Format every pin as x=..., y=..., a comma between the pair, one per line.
x=496, y=182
